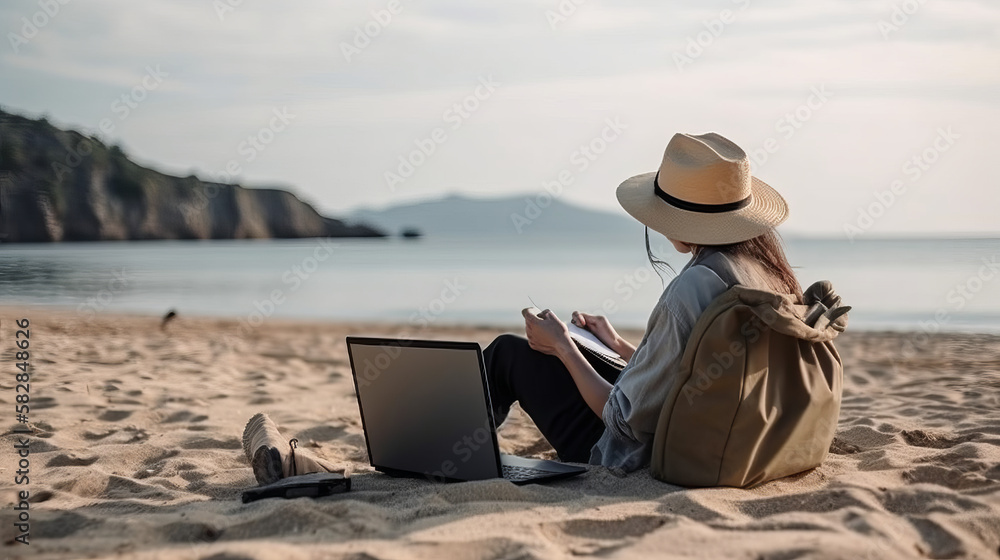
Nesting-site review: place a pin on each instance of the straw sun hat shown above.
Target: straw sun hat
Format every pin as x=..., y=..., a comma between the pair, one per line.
x=703, y=193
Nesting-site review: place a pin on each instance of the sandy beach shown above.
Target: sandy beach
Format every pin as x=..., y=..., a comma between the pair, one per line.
x=136, y=453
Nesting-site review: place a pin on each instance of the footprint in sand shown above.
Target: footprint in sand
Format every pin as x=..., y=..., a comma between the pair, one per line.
x=681, y=503
x=960, y=467
x=841, y=447
x=123, y=401
x=115, y=415
x=920, y=438
x=255, y=375
x=212, y=443
x=600, y=536
x=939, y=540
x=912, y=502
x=865, y=438
x=184, y=416
x=41, y=496
x=71, y=460
x=129, y=434
x=179, y=416
x=819, y=501
x=94, y=436
x=58, y=525
x=957, y=477
x=39, y=403
x=191, y=532
x=119, y=487
x=193, y=475
x=155, y=465
x=42, y=446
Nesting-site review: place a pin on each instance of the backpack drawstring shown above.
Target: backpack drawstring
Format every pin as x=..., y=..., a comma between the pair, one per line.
x=291, y=445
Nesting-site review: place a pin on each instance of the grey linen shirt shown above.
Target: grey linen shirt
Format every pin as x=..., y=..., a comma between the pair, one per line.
x=633, y=408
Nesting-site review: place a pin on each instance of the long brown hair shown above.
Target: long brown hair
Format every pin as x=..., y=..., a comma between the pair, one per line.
x=766, y=250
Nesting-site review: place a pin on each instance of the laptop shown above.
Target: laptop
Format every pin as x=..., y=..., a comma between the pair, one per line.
x=425, y=409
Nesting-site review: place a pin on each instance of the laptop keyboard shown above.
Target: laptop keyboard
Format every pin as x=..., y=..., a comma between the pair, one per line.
x=511, y=472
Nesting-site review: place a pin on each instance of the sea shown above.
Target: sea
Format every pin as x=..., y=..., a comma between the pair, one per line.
x=929, y=285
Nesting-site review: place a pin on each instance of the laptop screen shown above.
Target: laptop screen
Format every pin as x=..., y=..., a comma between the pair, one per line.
x=424, y=406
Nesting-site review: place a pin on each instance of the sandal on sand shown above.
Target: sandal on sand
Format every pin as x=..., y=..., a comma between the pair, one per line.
x=271, y=458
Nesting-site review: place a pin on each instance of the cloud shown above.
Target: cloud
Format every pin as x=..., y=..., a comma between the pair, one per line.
x=607, y=59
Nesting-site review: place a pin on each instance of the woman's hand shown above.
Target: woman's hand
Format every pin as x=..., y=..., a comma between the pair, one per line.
x=602, y=329
x=546, y=333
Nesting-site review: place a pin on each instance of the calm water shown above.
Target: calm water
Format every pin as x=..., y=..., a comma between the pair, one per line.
x=898, y=285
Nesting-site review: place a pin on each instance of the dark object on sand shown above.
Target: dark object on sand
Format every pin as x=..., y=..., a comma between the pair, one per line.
x=313, y=485
x=410, y=233
x=166, y=319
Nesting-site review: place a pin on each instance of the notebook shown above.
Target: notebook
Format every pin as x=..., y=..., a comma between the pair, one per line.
x=586, y=341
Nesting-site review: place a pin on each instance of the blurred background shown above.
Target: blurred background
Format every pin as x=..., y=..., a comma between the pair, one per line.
x=493, y=136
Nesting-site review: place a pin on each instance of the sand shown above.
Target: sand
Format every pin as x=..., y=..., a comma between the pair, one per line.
x=136, y=454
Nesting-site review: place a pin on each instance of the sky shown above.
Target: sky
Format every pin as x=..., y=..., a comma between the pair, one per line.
x=871, y=118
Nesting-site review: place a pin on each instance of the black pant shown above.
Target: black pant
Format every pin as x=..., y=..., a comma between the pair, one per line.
x=546, y=391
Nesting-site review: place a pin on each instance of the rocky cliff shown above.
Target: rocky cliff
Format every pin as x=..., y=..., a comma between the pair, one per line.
x=58, y=185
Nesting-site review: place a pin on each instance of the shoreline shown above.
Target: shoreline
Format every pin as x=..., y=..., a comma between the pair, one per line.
x=404, y=327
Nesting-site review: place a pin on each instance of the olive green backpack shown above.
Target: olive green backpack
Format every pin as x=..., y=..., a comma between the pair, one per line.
x=760, y=390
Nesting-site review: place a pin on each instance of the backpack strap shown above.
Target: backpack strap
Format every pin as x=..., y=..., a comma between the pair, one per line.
x=719, y=263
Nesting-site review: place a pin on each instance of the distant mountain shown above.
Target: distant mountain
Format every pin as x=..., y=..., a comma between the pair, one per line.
x=58, y=185
x=524, y=214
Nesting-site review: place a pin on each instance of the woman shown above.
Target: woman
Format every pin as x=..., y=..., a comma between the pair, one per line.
x=704, y=200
